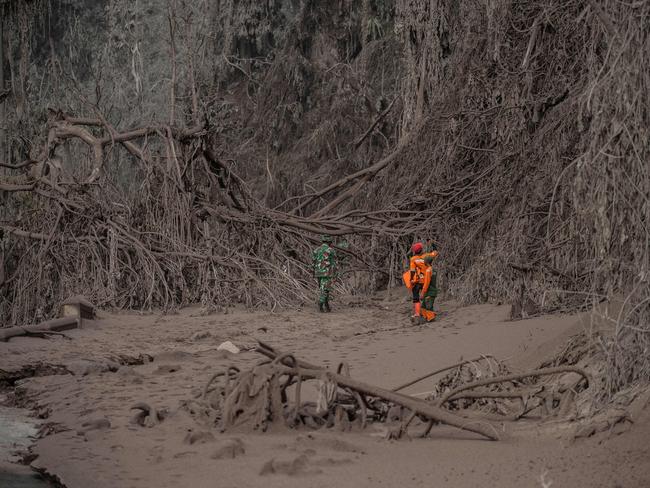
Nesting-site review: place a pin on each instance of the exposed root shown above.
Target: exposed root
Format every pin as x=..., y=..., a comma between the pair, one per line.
x=148, y=416
x=260, y=398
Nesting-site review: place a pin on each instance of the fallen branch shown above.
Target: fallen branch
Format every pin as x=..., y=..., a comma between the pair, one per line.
x=512, y=377
x=45, y=334
x=368, y=172
x=441, y=370
x=64, y=323
x=12, y=187
x=378, y=119
x=24, y=164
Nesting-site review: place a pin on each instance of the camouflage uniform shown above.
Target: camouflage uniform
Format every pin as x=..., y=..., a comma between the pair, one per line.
x=429, y=290
x=324, y=263
x=431, y=293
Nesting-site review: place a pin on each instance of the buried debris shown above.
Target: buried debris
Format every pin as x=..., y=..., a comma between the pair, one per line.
x=147, y=415
x=77, y=306
x=229, y=449
x=72, y=312
x=199, y=437
x=271, y=393
x=94, y=424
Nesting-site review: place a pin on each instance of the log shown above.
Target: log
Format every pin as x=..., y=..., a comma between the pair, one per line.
x=64, y=323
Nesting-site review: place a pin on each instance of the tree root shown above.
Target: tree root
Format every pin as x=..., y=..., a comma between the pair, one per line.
x=148, y=416
x=415, y=405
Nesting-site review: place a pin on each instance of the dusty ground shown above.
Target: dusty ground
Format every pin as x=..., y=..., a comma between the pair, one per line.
x=98, y=446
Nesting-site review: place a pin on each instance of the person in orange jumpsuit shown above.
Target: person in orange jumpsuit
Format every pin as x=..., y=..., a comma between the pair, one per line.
x=414, y=278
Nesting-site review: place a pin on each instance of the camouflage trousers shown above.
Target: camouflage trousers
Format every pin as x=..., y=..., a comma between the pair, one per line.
x=427, y=301
x=324, y=288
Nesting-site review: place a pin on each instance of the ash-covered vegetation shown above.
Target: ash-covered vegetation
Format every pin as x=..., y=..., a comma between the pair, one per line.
x=164, y=152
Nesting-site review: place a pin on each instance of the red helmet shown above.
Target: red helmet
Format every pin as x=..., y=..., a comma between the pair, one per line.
x=416, y=248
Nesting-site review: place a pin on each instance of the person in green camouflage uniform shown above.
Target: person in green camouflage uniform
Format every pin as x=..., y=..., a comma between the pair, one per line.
x=429, y=295
x=325, y=271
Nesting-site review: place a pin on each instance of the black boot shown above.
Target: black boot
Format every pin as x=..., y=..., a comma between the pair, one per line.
x=320, y=307
x=326, y=306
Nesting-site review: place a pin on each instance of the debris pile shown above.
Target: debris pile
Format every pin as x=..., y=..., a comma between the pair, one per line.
x=481, y=390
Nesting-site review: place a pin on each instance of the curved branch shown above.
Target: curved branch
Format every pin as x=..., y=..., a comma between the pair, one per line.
x=40, y=236
x=359, y=141
x=370, y=172
x=24, y=164
x=500, y=379
x=441, y=370
x=12, y=187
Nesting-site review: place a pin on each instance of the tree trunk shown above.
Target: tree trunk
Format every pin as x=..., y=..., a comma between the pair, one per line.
x=3, y=152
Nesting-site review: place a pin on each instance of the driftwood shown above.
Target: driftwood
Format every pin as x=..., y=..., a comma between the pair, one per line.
x=64, y=323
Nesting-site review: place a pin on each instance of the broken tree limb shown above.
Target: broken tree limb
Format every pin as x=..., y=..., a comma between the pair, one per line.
x=227, y=174
x=349, y=193
x=368, y=172
x=42, y=237
x=359, y=141
x=494, y=394
x=24, y=164
x=13, y=187
x=511, y=377
x=441, y=370
x=45, y=334
x=531, y=44
x=272, y=353
x=416, y=405
x=521, y=395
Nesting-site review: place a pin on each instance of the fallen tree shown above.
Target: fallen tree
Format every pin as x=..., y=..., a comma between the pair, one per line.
x=191, y=232
x=260, y=397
